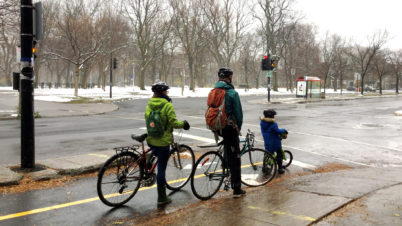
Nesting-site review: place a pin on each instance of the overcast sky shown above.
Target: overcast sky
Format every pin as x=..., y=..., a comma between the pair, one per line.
x=355, y=18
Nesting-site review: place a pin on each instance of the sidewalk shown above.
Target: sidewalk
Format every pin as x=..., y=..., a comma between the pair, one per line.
x=366, y=196
x=363, y=196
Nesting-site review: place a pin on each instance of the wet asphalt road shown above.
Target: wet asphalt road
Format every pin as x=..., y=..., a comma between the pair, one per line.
x=363, y=131
x=355, y=132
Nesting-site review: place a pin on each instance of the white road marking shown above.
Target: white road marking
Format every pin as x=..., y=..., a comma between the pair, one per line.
x=303, y=165
x=203, y=139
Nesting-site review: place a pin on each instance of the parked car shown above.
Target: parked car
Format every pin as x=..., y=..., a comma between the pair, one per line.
x=369, y=89
x=351, y=88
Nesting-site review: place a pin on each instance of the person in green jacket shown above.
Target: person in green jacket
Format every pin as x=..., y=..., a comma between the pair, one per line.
x=231, y=131
x=160, y=145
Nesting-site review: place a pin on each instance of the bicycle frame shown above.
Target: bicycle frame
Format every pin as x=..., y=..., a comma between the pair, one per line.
x=247, y=145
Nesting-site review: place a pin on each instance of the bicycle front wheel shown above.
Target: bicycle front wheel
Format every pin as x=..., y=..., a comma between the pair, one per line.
x=207, y=176
x=287, y=158
x=258, y=167
x=119, y=179
x=179, y=167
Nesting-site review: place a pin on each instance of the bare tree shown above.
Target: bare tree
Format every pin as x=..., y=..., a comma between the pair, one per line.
x=148, y=24
x=189, y=26
x=9, y=37
x=226, y=23
x=381, y=66
x=363, y=56
x=276, y=19
x=396, y=66
x=301, y=54
x=78, y=34
x=249, y=60
x=330, y=46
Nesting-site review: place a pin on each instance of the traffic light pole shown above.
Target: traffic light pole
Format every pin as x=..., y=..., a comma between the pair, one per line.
x=269, y=86
x=26, y=89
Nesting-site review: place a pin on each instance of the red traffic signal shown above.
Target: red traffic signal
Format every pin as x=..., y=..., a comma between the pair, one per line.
x=266, y=63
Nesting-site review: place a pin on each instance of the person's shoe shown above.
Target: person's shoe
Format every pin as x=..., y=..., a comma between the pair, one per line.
x=163, y=199
x=281, y=171
x=238, y=192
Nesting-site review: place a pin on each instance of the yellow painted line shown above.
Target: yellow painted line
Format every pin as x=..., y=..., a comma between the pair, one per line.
x=45, y=209
x=299, y=217
x=100, y=155
x=49, y=208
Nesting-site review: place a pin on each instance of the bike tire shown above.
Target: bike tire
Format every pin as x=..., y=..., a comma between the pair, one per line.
x=114, y=186
x=207, y=176
x=179, y=167
x=258, y=167
x=289, y=158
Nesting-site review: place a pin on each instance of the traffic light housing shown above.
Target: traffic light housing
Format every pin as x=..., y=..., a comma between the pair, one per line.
x=266, y=63
x=273, y=64
x=114, y=63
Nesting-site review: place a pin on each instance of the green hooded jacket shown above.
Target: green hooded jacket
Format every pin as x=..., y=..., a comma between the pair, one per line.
x=232, y=103
x=168, y=116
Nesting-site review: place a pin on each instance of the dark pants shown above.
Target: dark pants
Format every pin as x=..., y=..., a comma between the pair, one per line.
x=163, y=156
x=279, y=158
x=232, y=154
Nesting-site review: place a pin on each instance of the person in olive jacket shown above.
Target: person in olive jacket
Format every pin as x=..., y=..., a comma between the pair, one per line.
x=231, y=131
x=160, y=146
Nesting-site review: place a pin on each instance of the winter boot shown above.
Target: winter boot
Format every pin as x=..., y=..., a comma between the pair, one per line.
x=162, y=197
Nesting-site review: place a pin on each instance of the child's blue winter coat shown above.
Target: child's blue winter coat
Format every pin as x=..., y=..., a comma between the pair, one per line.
x=271, y=134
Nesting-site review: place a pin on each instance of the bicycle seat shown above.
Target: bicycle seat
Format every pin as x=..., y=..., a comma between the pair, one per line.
x=139, y=138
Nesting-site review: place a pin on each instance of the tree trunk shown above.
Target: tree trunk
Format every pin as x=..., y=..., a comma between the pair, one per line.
x=76, y=79
x=380, y=85
x=397, y=84
x=362, y=84
x=191, y=70
x=36, y=73
x=142, y=78
x=275, y=77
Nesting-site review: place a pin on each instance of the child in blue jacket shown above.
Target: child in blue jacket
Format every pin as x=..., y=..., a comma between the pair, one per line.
x=272, y=136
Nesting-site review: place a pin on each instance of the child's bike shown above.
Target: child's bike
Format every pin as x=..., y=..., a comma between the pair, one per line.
x=287, y=158
x=210, y=171
x=125, y=172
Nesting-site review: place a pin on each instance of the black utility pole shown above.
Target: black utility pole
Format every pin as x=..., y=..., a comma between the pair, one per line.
x=26, y=89
x=269, y=88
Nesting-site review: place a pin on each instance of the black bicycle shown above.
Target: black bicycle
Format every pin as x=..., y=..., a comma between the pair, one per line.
x=122, y=174
x=210, y=171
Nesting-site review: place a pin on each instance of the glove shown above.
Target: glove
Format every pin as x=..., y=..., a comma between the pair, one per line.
x=186, y=125
x=286, y=132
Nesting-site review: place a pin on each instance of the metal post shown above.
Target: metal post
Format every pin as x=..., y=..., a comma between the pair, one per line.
x=27, y=104
x=110, y=71
x=269, y=86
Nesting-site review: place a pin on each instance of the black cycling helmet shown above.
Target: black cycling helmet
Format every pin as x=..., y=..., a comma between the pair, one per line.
x=224, y=72
x=159, y=87
x=270, y=113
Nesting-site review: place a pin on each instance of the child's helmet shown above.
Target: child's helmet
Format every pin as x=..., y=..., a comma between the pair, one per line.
x=269, y=113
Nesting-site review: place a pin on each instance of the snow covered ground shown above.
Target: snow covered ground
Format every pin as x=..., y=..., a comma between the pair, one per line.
x=65, y=95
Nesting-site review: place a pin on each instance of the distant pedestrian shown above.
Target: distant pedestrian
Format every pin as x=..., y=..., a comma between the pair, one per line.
x=272, y=136
x=160, y=117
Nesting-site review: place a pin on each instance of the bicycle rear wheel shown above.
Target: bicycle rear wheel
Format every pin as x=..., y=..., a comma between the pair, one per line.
x=179, y=167
x=258, y=167
x=287, y=159
x=207, y=176
x=119, y=179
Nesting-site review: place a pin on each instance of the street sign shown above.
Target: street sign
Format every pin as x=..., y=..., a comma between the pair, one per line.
x=131, y=77
x=269, y=74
